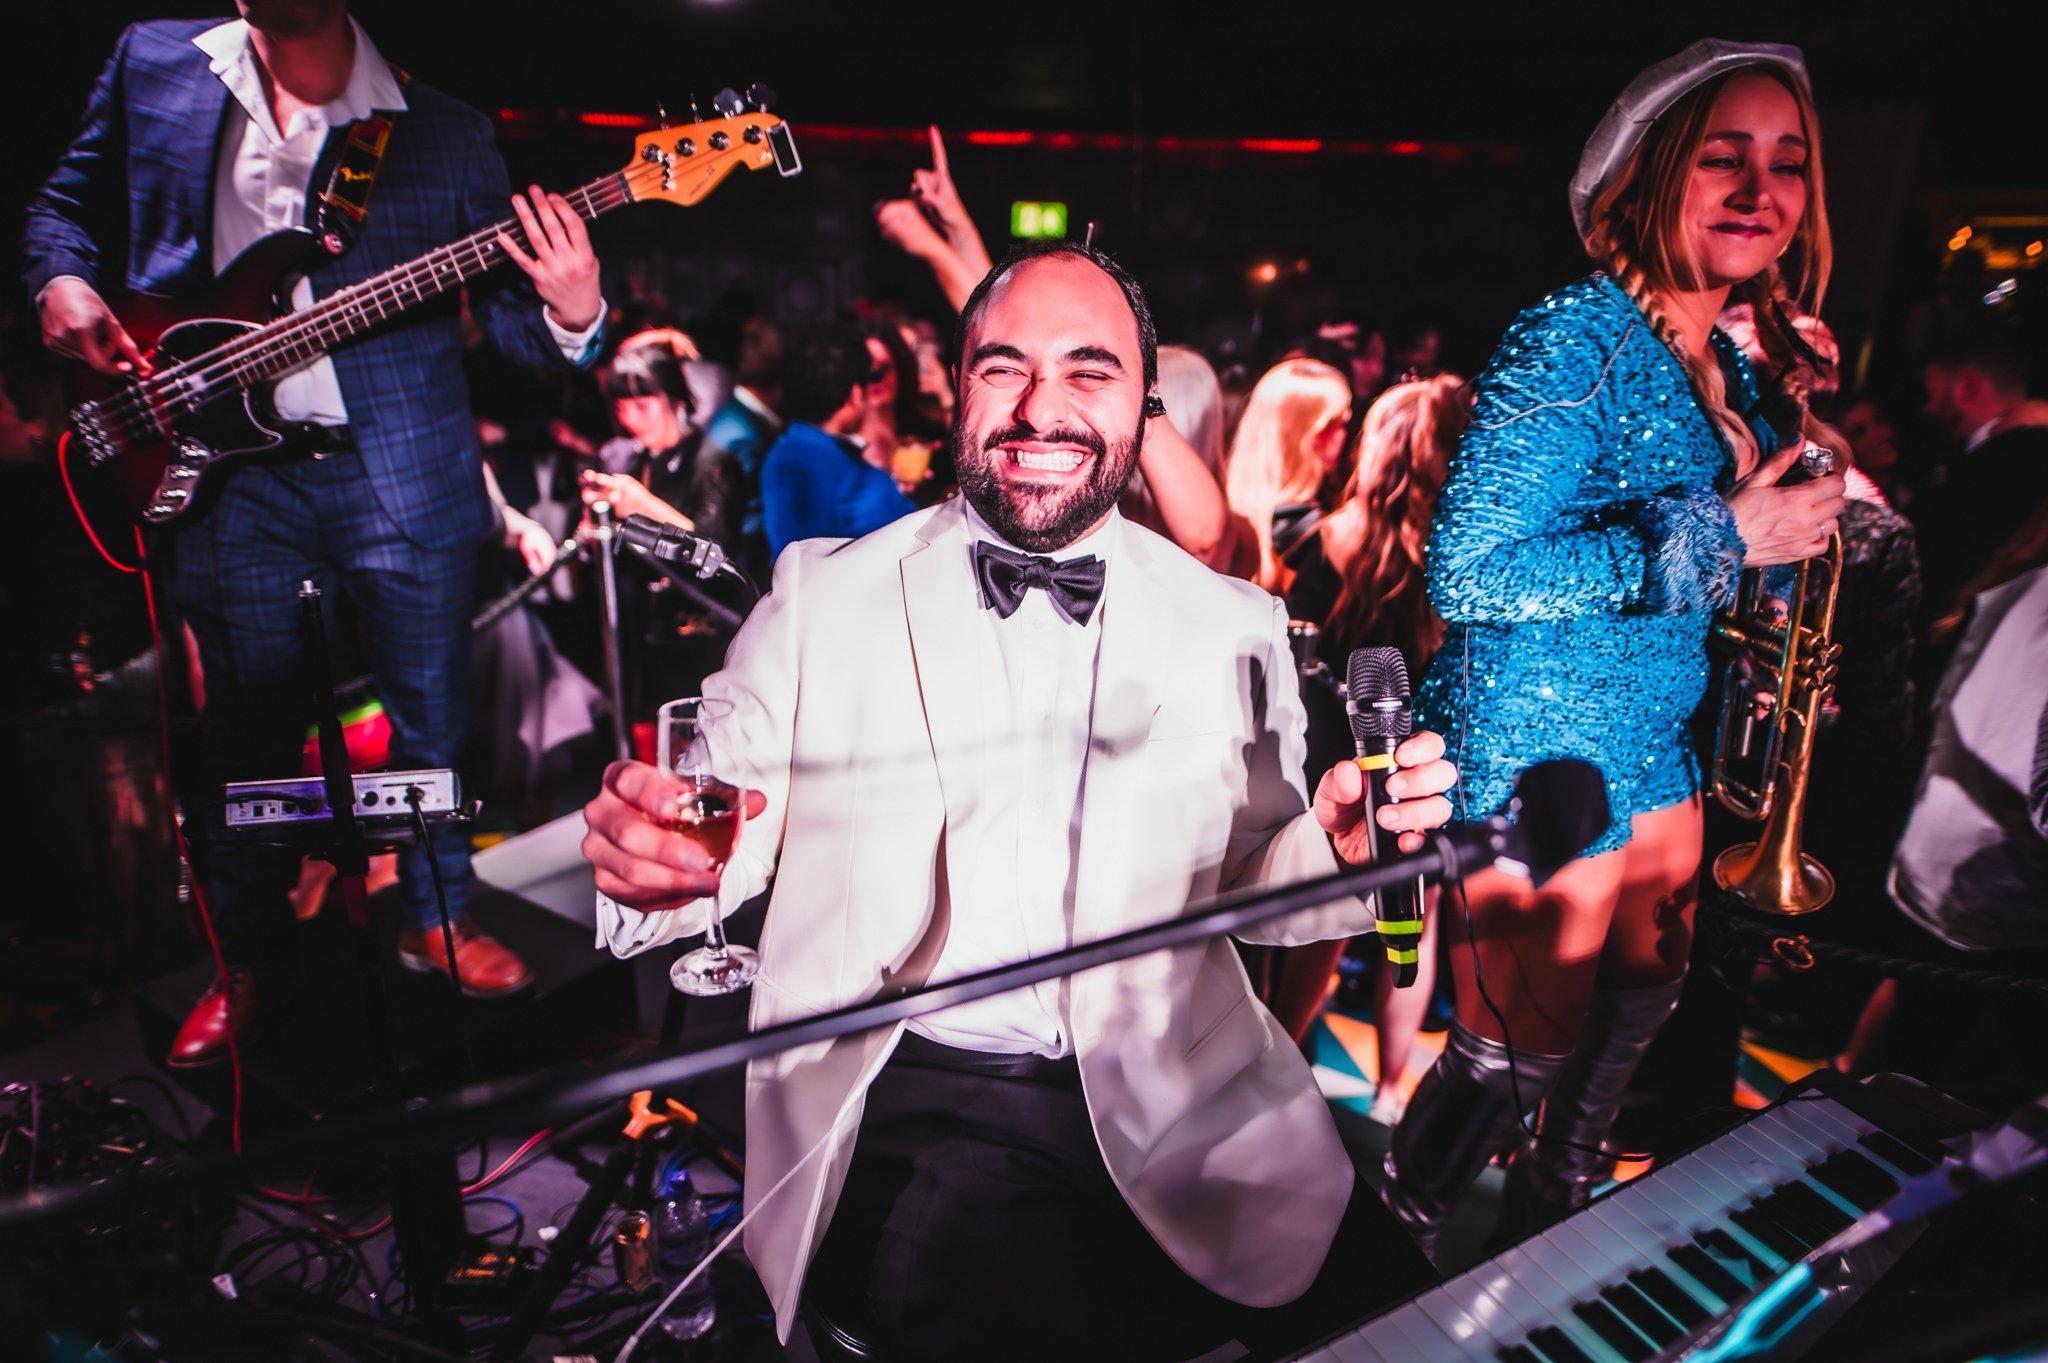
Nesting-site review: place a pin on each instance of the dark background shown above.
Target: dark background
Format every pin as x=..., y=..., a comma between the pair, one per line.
x=1930, y=114
x=1931, y=119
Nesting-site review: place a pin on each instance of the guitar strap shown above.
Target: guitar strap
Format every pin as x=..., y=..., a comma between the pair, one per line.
x=346, y=202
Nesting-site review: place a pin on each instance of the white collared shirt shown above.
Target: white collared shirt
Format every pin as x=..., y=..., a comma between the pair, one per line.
x=263, y=175
x=1037, y=672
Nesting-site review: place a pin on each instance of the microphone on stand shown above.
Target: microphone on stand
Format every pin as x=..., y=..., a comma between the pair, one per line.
x=1376, y=703
x=673, y=545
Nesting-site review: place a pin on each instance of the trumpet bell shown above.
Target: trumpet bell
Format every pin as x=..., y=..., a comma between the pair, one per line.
x=1776, y=884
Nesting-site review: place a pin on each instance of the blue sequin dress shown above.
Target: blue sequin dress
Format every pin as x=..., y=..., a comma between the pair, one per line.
x=1579, y=552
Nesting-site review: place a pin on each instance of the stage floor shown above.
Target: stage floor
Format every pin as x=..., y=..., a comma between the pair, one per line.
x=543, y=870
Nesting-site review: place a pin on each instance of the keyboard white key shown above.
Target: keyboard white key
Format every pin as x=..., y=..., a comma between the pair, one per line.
x=1793, y=1137
x=1559, y=1285
x=1356, y=1347
x=1459, y=1309
x=1603, y=1253
x=1521, y=1309
x=1427, y=1343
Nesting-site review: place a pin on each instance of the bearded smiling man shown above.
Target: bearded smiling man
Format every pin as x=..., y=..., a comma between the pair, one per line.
x=982, y=733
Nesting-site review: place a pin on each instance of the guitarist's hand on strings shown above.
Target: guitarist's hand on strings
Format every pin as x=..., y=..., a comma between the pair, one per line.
x=561, y=264
x=77, y=322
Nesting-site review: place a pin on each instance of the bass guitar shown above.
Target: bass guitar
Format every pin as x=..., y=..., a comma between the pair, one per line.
x=143, y=447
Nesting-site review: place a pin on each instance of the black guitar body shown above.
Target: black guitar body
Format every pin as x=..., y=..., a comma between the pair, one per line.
x=150, y=461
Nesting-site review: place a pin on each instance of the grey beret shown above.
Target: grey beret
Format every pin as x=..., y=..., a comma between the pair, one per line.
x=1650, y=94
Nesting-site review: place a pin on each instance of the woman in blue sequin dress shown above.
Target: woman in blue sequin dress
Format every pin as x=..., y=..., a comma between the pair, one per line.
x=1618, y=475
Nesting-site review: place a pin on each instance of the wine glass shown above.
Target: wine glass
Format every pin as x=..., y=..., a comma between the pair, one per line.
x=708, y=812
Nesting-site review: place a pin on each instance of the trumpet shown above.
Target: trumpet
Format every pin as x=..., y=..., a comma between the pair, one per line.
x=1763, y=750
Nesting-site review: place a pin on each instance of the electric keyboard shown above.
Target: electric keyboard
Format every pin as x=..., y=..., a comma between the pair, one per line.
x=1659, y=1266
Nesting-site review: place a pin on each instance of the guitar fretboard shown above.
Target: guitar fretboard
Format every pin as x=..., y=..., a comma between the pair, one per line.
x=290, y=341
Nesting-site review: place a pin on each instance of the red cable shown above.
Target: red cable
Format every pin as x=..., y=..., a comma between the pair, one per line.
x=320, y=1220
x=492, y=1177
x=163, y=700
x=78, y=509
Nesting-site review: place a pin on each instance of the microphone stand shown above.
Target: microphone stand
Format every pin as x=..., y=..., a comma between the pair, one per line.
x=426, y=1206
x=570, y=1090
x=608, y=620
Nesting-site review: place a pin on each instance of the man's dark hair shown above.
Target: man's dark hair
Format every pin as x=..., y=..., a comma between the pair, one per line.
x=1995, y=351
x=644, y=371
x=821, y=368
x=1148, y=335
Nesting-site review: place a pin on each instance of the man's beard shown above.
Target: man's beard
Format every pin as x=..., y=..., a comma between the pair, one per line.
x=1039, y=519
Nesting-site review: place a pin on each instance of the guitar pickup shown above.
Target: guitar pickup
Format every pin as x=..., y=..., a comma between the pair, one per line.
x=787, y=162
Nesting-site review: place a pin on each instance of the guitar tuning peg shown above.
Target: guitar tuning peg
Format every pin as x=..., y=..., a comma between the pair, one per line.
x=760, y=97
x=695, y=117
x=661, y=113
x=727, y=103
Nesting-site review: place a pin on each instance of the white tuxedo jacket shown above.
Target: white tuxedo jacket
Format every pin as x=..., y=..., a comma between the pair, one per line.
x=857, y=713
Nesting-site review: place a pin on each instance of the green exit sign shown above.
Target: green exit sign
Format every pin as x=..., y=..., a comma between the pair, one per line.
x=1031, y=219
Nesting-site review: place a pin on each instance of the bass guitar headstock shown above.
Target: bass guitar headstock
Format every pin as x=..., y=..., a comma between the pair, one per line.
x=681, y=165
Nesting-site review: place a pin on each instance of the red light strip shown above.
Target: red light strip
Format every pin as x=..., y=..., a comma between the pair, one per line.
x=529, y=121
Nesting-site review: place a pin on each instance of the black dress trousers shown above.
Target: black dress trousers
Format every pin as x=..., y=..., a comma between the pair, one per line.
x=978, y=1221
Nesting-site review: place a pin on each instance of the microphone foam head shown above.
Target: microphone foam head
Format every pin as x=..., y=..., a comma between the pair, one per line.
x=1559, y=809
x=1376, y=690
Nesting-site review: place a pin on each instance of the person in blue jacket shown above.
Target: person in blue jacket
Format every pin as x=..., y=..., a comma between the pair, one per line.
x=1618, y=475
x=816, y=480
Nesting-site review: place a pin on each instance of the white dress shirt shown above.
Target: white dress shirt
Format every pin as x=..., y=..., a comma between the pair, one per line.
x=1038, y=669
x=262, y=178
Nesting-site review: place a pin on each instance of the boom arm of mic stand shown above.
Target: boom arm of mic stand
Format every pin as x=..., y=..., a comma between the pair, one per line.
x=497, y=610
x=687, y=583
x=574, y=1089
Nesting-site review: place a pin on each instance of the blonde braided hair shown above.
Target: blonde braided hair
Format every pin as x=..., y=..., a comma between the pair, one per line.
x=1638, y=240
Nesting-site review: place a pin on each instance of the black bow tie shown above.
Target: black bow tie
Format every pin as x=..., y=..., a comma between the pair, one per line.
x=1074, y=586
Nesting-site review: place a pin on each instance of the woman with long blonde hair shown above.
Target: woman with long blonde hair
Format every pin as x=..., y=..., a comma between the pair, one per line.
x=1359, y=577
x=1375, y=540
x=1288, y=440
x=1619, y=473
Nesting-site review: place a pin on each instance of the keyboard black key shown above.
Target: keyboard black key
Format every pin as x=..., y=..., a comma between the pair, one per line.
x=1618, y=1333
x=1708, y=1271
x=1788, y=1213
x=1639, y=1311
x=1829, y=1217
x=1855, y=1177
x=1557, y=1346
x=1515, y=1353
x=1678, y=1303
x=1896, y=1152
x=1728, y=1250
x=1769, y=1233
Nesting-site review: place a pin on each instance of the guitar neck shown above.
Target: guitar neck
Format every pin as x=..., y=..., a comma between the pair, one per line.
x=291, y=341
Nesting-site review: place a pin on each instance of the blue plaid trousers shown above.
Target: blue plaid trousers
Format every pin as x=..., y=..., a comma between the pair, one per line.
x=234, y=575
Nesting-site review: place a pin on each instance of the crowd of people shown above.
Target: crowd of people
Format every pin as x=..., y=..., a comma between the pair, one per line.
x=1546, y=543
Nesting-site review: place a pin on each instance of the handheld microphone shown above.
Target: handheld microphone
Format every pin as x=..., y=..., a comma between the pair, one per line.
x=1376, y=703
x=672, y=544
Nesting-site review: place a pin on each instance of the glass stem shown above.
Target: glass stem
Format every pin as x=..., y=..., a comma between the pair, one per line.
x=714, y=933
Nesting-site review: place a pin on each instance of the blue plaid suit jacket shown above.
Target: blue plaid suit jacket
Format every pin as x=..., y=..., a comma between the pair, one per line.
x=130, y=207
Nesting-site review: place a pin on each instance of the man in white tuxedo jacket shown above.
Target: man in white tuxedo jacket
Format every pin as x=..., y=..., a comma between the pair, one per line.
x=961, y=751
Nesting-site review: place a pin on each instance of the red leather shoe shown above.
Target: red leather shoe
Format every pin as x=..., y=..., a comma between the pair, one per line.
x=203, y=1039
x=488, y=967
